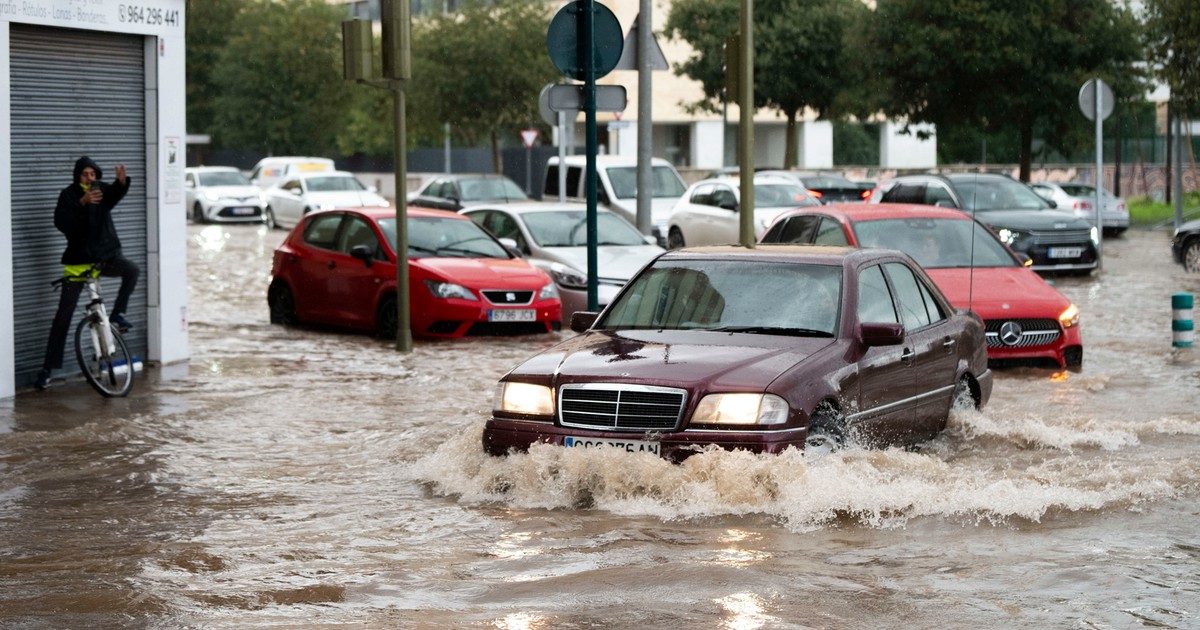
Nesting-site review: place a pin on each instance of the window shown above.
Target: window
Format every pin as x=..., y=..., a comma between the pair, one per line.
x=723, y=197
x=574, y=174
x=909, y=298
x=358, y=232
x=905, y=193
x=322, y=230
x=937, y=193
x=874, y=299
x=931, y=305
x=191, y=180
x=795, y=230
x=550, y=186
x=290, y=185
x=830, y=233
x=702, y=195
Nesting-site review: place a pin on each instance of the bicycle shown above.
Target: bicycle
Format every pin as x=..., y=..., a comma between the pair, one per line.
x=104, y=358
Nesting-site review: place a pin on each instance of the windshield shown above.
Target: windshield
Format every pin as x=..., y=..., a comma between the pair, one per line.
x=223, y=178
x=334, y=184
x=828, y=181
x=935, y=243
x=568, y=228
x=781, y=195
x=624, y=182
x=490, y=188
x=731, y=296
x=454, y=238
x=997, y=193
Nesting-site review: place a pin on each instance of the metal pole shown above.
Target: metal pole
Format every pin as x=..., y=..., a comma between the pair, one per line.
x=1177, y=170
x=1099, y=174
x=589, y=89
x=562, y=157
x=446, y=157
x=645, y=153
x=528, y=168
x=404, y=341
x=746, y=125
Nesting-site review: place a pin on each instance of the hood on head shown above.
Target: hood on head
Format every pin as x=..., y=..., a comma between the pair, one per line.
x=85, y=162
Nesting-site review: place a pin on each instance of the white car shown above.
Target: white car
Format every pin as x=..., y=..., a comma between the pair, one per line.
x=270, y=171
x=297, y=196
x=1081, y=199
x=221, y=194
x=553, y=238
x=708, y=213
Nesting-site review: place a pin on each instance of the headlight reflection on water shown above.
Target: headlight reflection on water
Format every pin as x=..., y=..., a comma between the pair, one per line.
x=745, y=611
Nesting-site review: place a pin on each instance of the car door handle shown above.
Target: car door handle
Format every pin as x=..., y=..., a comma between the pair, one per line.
x=330, y=265
x=949, y=343
x=908, y=356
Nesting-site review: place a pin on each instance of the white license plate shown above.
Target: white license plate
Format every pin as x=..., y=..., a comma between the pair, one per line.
x=629, y=446
x=1065, y=252
x=512, y=315
x=243, y=210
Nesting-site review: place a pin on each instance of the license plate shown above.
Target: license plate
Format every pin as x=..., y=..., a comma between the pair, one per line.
x=629, y=446
x=512, y=315
x=243, y=210
x=1065, y=252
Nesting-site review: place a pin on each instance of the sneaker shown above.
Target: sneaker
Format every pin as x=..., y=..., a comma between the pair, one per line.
x=122, y=324
x=43, y=380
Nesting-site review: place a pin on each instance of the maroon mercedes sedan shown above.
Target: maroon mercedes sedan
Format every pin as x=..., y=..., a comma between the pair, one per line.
x=759, y=349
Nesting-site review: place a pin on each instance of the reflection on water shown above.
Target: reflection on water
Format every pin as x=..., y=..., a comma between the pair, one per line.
x=744, y=611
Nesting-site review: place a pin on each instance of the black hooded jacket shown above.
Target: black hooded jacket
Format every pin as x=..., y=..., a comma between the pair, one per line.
x=91, y=235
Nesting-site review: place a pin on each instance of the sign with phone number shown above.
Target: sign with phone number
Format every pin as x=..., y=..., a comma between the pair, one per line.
x=154, y=16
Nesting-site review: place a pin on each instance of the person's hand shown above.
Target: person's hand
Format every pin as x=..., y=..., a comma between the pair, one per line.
x=121, y=175
x=93, y=195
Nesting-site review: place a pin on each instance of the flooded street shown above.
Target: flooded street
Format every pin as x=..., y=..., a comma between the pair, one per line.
x=303, y=477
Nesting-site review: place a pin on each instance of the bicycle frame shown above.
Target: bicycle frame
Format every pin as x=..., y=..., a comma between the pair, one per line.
x=98, y=314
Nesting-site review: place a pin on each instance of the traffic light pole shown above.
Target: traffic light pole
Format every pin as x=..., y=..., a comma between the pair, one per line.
x=746, y=125
x=589, y=89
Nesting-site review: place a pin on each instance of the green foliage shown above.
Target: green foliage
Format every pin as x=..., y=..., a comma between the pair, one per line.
x=1173, y=35
x=281, y=89
x=207, y=30
x=855, y=143
x=1143, y=211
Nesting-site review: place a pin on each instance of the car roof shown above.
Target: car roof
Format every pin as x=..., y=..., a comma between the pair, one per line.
x=212, y=169
x=764, y=178
x=810, y=254
x=605, y=160
x=526, y=207
x=321, y=174
x=388, y=212
x=460, y=176
x=290, y=158
x=862, y=212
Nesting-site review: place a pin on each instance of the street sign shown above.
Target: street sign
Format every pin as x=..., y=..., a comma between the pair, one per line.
x=1087, y=102
x=629, y=60
x=529, y=136
x=547, y=114
x=618, y=124
x=568, y=97
x=565, y=37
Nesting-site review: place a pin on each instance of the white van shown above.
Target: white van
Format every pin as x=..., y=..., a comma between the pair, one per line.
x=617, y=187
x=270, y=170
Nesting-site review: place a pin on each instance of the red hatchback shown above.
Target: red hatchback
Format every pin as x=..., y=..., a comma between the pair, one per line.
x=338, y=267
x=1025, y=317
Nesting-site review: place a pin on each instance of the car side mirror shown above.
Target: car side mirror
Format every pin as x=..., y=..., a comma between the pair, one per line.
x=880, y=334
x=944, y=203
x=1053, y=203
x=583, y=320
x=363, y=253
x=511, y=245
x=295, y=191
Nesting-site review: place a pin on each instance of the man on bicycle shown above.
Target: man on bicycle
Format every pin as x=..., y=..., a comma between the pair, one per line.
x=84, y=216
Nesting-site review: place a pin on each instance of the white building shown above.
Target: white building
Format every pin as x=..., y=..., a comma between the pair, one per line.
x=102, y=78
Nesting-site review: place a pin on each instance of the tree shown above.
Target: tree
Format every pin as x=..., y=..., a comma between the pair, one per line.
x=1000, y=64
x=800, y=57
x=207, y=31
x=280, y=78
x=1173, y=35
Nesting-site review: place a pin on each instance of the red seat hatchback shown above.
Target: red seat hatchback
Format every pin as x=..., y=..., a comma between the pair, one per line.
x=1026, y=318
x=338, y=267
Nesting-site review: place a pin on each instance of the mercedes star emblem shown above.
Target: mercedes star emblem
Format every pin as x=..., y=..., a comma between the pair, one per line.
x=1010, y=333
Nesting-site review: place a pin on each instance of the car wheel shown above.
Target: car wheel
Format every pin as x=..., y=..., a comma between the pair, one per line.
x=1114, y=232
x=1073, y=357
x=282, y=304
x=826, y=430
x=269, y=218
x=964, y=395
x=1191, y=255
x=386, y=319
x=675, y=239
x=197, y=213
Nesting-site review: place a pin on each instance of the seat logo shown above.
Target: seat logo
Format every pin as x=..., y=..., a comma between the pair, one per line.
x=510, y=297
x=1010, y=333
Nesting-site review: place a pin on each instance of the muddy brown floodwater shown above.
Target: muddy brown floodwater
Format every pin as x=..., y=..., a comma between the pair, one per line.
x=298, y=477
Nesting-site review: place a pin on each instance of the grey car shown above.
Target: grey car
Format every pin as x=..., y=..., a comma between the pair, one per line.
x=553, y=237
x=1079, y=198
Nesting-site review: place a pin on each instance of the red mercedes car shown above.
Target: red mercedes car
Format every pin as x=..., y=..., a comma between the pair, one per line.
x=338, y=267
x=1026, y=318
x=757, y=349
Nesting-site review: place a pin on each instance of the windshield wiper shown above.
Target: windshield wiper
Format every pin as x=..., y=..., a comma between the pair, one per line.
x=424, y=250
x=772, y=330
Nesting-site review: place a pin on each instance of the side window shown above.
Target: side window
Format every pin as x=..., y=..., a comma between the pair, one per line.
x=830, y=233
x=506, y=227
x=702, y=196
x=905, y=193
x=357, y=232
x=874, y=298
x=550, y=186
x=931, y=305
x=908, y=294
x=798, y=230
x=723, y=197
x=322, y=230
x=574, y=174
x=290, y=184
x=937, y=193
x=481, y=219
x=191, y=180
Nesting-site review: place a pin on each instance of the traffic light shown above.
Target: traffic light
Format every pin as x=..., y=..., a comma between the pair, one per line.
x=358, y=50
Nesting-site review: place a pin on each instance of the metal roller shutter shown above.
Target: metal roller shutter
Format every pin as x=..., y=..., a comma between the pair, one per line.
x=73, y=93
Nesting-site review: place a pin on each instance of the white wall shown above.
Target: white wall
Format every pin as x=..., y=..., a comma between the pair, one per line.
x=7, y=341
x=898, y=150
x=815, y=144
x=708, y=144
x=625, y=134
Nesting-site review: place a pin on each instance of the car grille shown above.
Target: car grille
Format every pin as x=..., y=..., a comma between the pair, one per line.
x=508, y=297
x=1026, y=334
x=1062, y=237
x=615, y=407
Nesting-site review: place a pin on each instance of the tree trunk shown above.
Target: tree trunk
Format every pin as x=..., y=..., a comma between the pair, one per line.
x=1026, y=147
x=496, y=159
x=790, y=150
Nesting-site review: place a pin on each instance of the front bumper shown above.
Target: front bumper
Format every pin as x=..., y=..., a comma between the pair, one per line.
x=457, y=318
x=1055, y=351
x=234, y=212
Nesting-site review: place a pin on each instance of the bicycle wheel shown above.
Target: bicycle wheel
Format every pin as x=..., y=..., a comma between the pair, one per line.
x=109, y=373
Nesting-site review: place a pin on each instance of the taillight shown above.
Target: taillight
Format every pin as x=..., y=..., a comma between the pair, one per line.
x=866, y=194
x=1082, y=205
x=816, y=194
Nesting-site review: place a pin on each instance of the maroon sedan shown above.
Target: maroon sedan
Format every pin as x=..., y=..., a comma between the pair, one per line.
x=757, y=349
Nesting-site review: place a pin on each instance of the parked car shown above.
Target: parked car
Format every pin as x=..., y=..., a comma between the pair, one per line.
x=709, y=212
x=553, y=237
x=828, y=187
x=1080, y=199
x=338, y=267
x=1054, y=240
x=295, y=197
x=1025, y=318
x=617, y=187
x=454, y=192
x=758, y=349
x=221, y=194
x=269, y=171
x=1186, y=246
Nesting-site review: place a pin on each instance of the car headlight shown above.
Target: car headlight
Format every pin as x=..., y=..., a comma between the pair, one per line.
x=446, y=290
x=1095, y=234
x=549, y=291
x=567, y=277
x=762, y=409
x=208, y=195
x=524, y=398
x=1069, y=317
x=1008, y=236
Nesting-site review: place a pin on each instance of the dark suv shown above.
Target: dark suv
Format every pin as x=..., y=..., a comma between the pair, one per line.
x=1056, y=241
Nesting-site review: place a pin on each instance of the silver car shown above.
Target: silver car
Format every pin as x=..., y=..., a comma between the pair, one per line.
x=221, y=194
x=1080, y=199
x=553, y=237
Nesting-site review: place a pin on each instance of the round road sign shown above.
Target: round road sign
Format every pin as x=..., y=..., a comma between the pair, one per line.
x=564, y=39
x=1087, y=96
